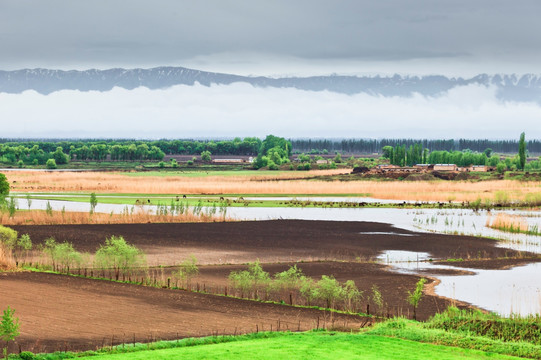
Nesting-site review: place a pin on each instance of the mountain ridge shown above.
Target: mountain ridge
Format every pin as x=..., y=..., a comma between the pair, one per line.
x=510, y=87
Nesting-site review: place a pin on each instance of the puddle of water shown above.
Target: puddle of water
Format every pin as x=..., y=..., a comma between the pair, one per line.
x=385, y=233
x=402, y=257
x=506, y=292
x=511, y=291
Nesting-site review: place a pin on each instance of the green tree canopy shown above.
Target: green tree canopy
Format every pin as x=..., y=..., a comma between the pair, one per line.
x=9, y=327
x=4, y=186
x=522, y=150
x=205, y=156
x=117, y=254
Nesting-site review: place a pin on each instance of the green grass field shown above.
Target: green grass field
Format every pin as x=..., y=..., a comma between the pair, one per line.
x=191, y=200
x=454, y=334
x=314, y=345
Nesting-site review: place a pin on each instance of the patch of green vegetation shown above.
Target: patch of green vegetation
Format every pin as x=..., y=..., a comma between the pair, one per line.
x=309, y=345
x=420, y=332
x=475, y=322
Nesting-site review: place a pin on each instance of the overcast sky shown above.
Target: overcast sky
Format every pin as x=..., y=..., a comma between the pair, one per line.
x=275, y=37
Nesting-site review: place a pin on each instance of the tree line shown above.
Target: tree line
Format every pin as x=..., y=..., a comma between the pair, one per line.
x=418, y=154
x=37, y=152
x=369, y=146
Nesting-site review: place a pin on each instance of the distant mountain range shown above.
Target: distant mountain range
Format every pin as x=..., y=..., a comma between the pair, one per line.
x=45, y=81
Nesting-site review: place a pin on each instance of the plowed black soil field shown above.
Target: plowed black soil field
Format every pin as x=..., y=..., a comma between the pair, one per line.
x=63, y=312
x=270, y=241
x=59, y=312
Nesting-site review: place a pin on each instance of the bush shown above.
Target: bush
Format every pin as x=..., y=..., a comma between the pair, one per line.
x=329, y=290
x=4, y=187
x=119, y=255
x=8, y=237
x=304, y=158
x=260, y=162
x=188, y=269
x=492, y=326
x=205, y=156
x=161, y=164
x=307, y=166
x=252, y=279
x=189, y=162
x=27, y=355
x=50, y=164
x=415, y=296
x=63, y=256
x=9, y=328
x=272, y=165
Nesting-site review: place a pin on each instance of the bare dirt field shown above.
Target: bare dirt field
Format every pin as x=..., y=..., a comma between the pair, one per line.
x=269, y=241
x=63, y=312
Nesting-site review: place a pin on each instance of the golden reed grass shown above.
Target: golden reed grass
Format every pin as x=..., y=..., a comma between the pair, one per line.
x=282, y=183
x=507, y=222
x=6, y=259
x=40, y=217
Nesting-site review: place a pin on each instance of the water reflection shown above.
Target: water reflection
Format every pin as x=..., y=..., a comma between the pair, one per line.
x=511, y=291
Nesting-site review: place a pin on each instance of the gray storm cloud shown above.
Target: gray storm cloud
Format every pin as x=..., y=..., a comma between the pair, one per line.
x=105, y=33
x=242, y=110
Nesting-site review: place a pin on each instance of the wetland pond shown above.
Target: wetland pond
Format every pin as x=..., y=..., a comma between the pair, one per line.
x=511, y=291
x=514, y=290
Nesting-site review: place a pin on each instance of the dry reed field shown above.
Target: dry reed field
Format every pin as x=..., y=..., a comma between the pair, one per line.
x=282, y=183
x=506, y=222
x=39, y=217
x=6, y=259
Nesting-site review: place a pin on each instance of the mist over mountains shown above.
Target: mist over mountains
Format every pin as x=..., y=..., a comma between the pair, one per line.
x=525, y=88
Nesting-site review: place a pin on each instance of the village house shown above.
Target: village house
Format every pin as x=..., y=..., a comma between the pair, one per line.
x=482, y=168
x=445, y=167
x=228, y=161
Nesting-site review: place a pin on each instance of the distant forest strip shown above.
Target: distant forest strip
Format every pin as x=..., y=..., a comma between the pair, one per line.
x=33, y=151
x=369, y=146
x=39, y=151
